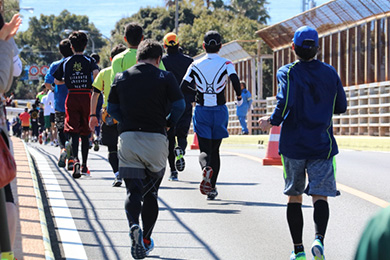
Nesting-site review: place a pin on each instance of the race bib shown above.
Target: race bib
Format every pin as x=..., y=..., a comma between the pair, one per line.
x=210, y=100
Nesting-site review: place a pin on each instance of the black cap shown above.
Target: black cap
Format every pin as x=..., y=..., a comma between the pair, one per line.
x=212, y=38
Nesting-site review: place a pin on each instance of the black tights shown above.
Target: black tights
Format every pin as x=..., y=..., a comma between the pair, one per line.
x=84, y=146
x=142, y=199
x=171, y=147
x=209, y=156
x=113, y=157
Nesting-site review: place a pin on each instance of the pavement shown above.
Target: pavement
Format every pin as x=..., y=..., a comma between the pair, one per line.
x=30, y=239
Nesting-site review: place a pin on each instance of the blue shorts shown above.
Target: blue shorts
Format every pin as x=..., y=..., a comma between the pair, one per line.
x=211, y=122
x=321, y=174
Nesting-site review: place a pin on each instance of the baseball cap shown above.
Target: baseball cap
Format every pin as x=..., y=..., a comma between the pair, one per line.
x=212, y=38
x=170, y=39
x=306, y=37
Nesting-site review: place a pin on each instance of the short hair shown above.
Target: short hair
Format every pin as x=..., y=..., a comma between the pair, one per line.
x=305, y=53
x=149, y=49
x=212, y=42
x=78, y=40
x=243, y=83
x=25, y=109
x=43, y=87
x=117, y=49
x=65, y=48
x=96, y=57
x=133, y=33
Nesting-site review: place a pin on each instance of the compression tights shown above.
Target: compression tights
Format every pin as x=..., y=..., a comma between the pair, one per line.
x=145, y=190
x=209, y=156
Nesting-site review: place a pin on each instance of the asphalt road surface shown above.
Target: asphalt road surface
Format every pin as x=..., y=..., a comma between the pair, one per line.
x=246, y=221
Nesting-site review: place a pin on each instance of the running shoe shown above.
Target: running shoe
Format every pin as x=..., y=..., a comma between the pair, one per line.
x=212, y=194
x=85, y=171
x=76, y=169
x=299, y=256
x=317, y=249
x=173, y=176
x=96, y=145
x=205, y=185
x=62, y=159
x=149, y=245
x=138, y=250
x=70, y=164
x=180, y=163
x=117, y=182
x=40, y=139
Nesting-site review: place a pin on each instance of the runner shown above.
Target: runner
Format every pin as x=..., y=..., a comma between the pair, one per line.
x=310, y=92
x=75, y=72
x=126, y=59
x=95, y=137
x=60, y=94
x=102, y=87
x=178, y=63
x=211, y=116
x=34, y=114
x=143, y=146
x=48, y=112
x=25, y=118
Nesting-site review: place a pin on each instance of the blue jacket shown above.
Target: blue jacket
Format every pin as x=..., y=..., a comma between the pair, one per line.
x=308, y=96
x=246, y=103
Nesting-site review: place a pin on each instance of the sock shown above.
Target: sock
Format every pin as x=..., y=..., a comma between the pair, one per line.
x=147, y=242
x=295, y=221
x=298, y=248
x=321, y=217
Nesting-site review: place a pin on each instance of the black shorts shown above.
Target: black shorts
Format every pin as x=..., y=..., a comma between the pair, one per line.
x=110, y=135
x=52, y=118
x=26, y=128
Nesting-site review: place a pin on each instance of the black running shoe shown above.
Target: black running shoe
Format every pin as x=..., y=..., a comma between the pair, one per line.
x=180, y=163
x=76, y=170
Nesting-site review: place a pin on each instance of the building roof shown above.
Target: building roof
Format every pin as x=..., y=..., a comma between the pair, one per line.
x=335, y=14
x=231, y=51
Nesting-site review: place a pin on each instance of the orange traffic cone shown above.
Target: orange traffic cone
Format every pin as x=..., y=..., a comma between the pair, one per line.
x=195, y=143
x=272, y=156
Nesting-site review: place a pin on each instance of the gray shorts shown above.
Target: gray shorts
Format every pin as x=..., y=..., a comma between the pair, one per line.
x=321, y=174
x=142, y=154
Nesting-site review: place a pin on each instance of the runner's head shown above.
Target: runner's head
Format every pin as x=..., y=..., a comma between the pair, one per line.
x=149, y=50
x=171, y=42
x=96, y=57
x=133, y=34
x=116, y=50
x=78, y=40
x=212, y=42
x=305, y=42
x=65, y=48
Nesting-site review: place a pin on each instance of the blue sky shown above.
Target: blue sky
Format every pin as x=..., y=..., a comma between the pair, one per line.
x=104, y=14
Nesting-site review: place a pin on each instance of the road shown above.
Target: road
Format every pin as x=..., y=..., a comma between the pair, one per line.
x=246, y=221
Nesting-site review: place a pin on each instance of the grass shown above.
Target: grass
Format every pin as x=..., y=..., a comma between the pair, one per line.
x=363, y=143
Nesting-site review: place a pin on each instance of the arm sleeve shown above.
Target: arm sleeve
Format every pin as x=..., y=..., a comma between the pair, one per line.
x=236, y=83
x=113, y=106
x=340, y=105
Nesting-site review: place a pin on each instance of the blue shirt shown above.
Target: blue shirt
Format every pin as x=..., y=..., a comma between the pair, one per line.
x=246, y=103
x=60, y=91
x=308, y=96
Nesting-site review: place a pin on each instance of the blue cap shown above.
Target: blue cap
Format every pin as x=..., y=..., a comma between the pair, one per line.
x=306, y=37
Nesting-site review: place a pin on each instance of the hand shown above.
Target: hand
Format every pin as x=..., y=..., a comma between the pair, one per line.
x=10, y=29
x=93, y=122
x=264, y=123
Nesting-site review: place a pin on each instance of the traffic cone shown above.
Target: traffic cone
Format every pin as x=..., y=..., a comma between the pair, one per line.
x=195, y=143
x=272, y=156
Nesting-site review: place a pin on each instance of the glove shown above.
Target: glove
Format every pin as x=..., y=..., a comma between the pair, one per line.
x=239, y=102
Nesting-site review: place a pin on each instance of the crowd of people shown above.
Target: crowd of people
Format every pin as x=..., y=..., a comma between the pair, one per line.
x=141, y=108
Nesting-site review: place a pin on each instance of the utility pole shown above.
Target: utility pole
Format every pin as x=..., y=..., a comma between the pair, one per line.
x=176, y=17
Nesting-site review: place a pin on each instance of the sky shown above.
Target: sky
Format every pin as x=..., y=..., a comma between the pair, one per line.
x=105, y=13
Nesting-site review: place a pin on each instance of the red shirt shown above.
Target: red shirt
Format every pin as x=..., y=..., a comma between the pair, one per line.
x=25, y=117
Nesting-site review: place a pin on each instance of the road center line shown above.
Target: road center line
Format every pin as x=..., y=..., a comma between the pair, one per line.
x=360, y=194
x=69, y=235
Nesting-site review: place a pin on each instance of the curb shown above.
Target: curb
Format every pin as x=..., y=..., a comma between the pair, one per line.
x=45, y=232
